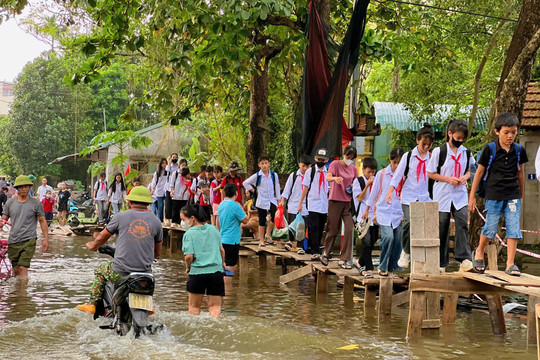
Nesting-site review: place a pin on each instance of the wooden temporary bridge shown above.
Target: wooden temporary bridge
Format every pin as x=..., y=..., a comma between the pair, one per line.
x=422, y=288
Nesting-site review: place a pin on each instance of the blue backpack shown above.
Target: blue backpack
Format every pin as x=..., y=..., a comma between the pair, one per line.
x=481, y=191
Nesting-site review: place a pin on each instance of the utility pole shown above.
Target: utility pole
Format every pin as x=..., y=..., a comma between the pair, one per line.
x=104, y=120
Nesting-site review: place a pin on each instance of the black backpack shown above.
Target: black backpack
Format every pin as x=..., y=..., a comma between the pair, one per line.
x=443, y=153
x=356, y=209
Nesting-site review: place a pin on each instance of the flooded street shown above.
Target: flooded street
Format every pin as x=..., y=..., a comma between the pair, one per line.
x=261, y=320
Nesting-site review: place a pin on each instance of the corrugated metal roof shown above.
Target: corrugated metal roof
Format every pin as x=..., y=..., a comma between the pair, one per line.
x=531, y=108
x=401, y=118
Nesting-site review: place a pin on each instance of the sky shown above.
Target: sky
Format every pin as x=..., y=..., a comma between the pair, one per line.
x=17, y=48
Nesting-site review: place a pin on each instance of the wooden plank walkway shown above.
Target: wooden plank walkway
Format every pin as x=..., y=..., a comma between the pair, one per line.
x=525, y=284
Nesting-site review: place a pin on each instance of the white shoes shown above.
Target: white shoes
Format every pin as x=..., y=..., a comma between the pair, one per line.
x=466, y=265
x=404, y=260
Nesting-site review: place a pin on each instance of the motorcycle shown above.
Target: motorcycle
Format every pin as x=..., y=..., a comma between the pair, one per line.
x=83, y=214
x=125, y=305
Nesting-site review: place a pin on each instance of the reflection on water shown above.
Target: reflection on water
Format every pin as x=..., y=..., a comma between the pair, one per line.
x=261, y=319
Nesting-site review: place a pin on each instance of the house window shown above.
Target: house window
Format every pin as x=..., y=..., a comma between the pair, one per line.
x=7, y=91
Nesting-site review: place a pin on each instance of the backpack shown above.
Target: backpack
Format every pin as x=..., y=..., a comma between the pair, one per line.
x=293, y=174
x=258, y=182
x=443, y=153
x=312, y=176
x=356, y=210
x=492, y=147
x=399, y=188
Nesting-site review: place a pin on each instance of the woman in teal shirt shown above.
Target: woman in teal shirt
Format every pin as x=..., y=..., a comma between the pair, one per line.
x=205, y=260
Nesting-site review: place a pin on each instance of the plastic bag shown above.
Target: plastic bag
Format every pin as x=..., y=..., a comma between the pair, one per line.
x=281, y=233
x=293, y=227
x=279, y=219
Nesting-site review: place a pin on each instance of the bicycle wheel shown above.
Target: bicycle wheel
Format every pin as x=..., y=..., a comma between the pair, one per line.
x=5, y=265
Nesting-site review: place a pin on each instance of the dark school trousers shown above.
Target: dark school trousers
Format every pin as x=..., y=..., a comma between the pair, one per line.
x=316, y=223
x=406, y=226
x=177, y=205
x=462, y=249
x=168, y=205
x=338, y=211
x=368, y=242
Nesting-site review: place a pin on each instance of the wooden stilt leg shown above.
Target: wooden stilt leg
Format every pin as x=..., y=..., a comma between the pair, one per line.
x=370, y=298
x=244, y=265
x=322, y=282
x=496, y=314
x=348, y=289
x=532, y=319
x=417, y=309
x=174, y=241
x=271, y=261
x=262, y=261
x=449, y=308
x=385, y=299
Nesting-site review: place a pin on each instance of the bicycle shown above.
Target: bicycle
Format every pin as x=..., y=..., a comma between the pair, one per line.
x=6, y=270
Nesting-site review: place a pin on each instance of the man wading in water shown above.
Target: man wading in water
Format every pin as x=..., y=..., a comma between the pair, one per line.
x=138, y=243
x=24, y=212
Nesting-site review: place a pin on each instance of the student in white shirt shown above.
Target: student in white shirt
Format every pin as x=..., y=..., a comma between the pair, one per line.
x=387, y=215
x=450, y=191
x=180, y=193
x=264, y=185
x=117, y=193
x=315, y=194
x=158, y=187
x=100, y=196
x=292, y=192
x=171, y=169
x=362, y=187
x=411, y=182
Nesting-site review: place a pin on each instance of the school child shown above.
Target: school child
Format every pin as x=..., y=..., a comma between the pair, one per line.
x=236, y=179
x=117, y=193
x=315, y=194
x=48, y=204
x=361, y=191
x=215, y=192
x=100, y=196
x=411, y=182
x=134, y=183
x=387, y=215
x=201, y=190
x=263, y=186
x=449, y=168
x=195, y=183
x=341, y=175
x=292, y=192
x=179, y=193
x=170, y=169
x=159, y=187
x=501, y=167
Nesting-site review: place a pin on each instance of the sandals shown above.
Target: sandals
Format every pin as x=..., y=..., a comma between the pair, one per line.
x=479, y=266
x=315, y=257
x=269, y=240
x=513, y=270
x=345, y=265
x=301, y=251
x=367, y=274
x=288, y=246
x=324, y=260
x=262, y=245
x=383, y=273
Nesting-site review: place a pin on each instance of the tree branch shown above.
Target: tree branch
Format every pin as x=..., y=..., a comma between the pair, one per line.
x=297, y=25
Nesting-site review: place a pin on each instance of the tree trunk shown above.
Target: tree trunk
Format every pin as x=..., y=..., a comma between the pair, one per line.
x=528, y=24
x=323, y=7
x=256, y=145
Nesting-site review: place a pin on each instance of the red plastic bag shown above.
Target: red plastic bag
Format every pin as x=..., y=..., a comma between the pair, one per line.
x=279, y=219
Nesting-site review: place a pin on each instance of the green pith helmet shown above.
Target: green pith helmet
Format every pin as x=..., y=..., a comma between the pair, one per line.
x=140, y=194
x=22, y=180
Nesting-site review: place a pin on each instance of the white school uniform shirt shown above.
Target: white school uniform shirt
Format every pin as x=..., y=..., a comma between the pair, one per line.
x=293, y=194
x=118, y=195
x=159, y=184
x=170, y=170
x=179, y=185
x=387, y=214
x=356, y=191
x=415, y=187
x=154, y=196
x=265, y=190
x=101, y=187
x=444, y=193
x=317, y=197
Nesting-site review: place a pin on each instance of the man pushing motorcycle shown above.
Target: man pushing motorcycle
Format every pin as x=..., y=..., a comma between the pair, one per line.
x=138, y=243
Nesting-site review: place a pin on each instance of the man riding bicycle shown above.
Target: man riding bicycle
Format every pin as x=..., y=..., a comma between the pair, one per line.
x=138, y=243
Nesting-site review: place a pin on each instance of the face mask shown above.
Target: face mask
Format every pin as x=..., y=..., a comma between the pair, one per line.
x=174, y=161
x=185, y=225
x=349, y=162
x=456, y=143
x=320, y=164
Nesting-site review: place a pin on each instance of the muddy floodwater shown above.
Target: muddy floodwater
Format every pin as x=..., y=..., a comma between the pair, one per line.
x=261, y=320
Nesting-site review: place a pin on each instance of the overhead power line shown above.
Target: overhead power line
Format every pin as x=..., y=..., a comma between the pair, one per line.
x=450, y=10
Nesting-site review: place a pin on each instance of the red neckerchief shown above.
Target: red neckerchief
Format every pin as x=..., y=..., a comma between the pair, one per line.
x=457, y=165
x=321, y=180
x=421, y=168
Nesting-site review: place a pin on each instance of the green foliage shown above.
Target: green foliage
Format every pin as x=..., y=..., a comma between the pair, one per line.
x=403, y=139
x=77, y=185
x=196, y=156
